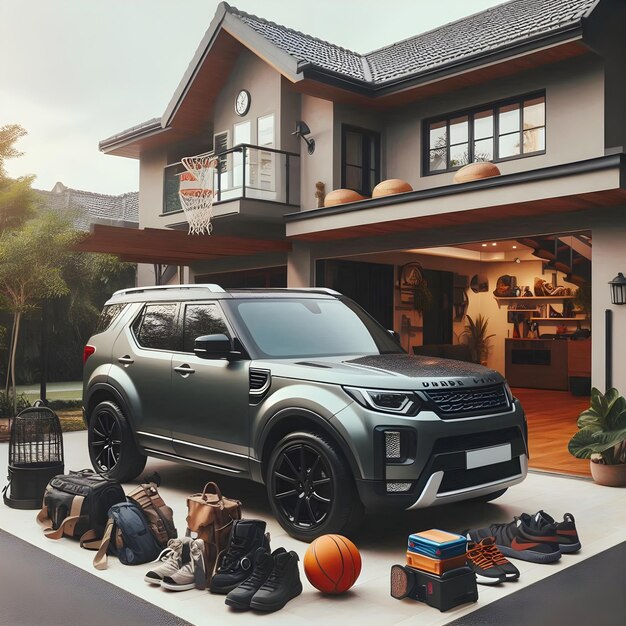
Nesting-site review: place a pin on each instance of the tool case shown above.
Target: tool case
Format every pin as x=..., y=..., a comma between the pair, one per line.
x=437, y=544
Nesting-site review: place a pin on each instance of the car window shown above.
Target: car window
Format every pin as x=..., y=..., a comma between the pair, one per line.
x=109, y=314
x=156, y=327
x=201, y=319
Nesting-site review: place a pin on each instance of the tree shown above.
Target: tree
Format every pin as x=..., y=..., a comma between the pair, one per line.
x=31, y=269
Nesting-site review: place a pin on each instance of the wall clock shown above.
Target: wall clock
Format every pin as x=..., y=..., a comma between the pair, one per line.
x=242, y=103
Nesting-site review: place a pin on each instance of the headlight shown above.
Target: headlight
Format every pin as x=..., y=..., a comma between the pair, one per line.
x=399, y=402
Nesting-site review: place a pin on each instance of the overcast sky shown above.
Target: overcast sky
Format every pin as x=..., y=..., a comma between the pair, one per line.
x=73, y=72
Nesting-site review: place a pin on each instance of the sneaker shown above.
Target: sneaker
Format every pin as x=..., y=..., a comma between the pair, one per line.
x=479, y=560
x=171, y=561
x=497, y=558
x=240, y=597
x=237, y=562
x=569, y=541
x=192, y=574
x=283, y=584
x=521, y=540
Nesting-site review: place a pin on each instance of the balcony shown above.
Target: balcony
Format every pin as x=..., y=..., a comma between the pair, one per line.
x=250, y=180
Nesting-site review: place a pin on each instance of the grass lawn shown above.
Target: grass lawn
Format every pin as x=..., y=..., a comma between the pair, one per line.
x=71, y=419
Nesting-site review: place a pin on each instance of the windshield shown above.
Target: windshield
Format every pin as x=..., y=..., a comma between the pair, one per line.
x=310, y=327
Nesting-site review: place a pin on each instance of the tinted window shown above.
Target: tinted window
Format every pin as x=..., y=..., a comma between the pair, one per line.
x=108, y=316
x=156, y=327
x=312, y=327
x=201, y=319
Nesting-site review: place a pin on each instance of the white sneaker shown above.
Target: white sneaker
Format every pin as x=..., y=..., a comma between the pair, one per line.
x=192, y=574
x=171, y=561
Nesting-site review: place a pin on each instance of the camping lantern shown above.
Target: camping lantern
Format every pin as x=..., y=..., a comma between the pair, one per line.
x=35, y=456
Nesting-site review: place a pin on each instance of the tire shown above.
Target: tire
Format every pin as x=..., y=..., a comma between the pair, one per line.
x=112, y=449
x=325, y=503
x=490, y=496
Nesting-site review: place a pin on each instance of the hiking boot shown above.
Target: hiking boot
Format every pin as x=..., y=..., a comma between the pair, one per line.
x=478, y=559
x=192, y=573
x=521, y=539
x=569, y=541
x=240, y=597
x=171, y=560
x=283, y=584
x=236, y=565
x=497, y=558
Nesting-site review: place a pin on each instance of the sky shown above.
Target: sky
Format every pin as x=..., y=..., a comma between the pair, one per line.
x=74, y=72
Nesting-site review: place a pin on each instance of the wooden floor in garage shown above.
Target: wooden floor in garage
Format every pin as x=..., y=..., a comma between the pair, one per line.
x=552, y=417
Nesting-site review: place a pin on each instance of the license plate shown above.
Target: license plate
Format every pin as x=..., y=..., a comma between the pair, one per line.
x=488, y=456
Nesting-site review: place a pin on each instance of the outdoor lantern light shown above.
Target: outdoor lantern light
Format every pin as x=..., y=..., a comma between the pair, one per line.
x=302, y=130
x=618, y=289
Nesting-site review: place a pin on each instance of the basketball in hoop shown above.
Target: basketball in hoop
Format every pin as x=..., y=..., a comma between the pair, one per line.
x=196, y=192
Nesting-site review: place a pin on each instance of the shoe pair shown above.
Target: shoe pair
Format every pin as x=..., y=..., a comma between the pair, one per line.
x=489, y=564
x=182, y=566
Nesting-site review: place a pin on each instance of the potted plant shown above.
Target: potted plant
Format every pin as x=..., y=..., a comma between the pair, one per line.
x=602, y=437
x=477, y=338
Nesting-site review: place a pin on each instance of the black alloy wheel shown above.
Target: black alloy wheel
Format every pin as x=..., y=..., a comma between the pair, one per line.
x=106, y=441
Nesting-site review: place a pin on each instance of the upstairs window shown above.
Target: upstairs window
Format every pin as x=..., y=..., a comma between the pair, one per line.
x=495, y=132
x=360, y=159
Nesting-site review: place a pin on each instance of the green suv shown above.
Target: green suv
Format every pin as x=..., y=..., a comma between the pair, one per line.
x=299, y=389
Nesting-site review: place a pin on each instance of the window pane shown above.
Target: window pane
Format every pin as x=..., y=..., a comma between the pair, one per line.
x=108, y=316
x=483, y=124
x=354, y=148
x=535, y=113
x=459, y=155
x=437, y=160
x=265, y=131
x=438, y=135
x=483, y=150
x=509, y=118
x=354, y=178
x=158, y=327
x=201, y=319
x=534, y=140
x=373, y=152
x=508, y=145
x=459, y=128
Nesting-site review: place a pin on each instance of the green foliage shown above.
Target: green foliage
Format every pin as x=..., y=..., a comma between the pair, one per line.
x=602, y=434
x=6, y=404
x=582, y=298
x=422, y=297
x=477, y=338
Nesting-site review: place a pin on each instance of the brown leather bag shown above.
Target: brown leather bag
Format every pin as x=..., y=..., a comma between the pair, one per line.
x=210, y=517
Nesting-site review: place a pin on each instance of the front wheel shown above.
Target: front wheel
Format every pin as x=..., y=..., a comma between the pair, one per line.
x=311, y=488
x=112, y=449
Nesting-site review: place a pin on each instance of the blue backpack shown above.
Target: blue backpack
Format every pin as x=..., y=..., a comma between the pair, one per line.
x=127, y=536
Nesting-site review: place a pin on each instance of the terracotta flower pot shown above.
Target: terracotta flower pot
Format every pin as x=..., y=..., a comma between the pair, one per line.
x=391, y=187
x=609, y=475
x=476, y=171
x=342, y=196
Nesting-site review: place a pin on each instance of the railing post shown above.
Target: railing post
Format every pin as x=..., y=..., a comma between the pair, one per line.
x=243, y=174
x=219, y=179
x=287, y=179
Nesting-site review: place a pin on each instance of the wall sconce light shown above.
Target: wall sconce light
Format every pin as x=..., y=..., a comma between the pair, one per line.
x=302, y=130
x=618, y=289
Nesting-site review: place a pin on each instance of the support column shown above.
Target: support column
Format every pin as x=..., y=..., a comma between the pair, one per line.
x=301, y=266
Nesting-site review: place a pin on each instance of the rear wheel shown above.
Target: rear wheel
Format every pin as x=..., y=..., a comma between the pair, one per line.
x=311, y=488
x=112, y=449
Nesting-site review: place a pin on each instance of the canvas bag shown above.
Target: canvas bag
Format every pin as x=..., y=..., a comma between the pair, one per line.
x=160, y=517
x=210, y=517
x=77, y=505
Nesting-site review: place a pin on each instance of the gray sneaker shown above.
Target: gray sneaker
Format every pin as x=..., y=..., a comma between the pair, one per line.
x=171, y=560
x=192, y=572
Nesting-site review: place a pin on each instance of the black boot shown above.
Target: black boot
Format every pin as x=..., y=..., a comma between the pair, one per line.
x=236, y=563
x=240, y=597
x=282, y=585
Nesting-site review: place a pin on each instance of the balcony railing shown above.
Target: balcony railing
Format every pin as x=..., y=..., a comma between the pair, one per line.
x=245, y=171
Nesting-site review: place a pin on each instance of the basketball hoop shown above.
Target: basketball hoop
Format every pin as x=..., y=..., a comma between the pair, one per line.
x=196, y=192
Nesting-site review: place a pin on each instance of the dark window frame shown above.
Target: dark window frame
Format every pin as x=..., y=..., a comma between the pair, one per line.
x=178, y=338
x=183, y=316
x=368, y=184
x=494, y=106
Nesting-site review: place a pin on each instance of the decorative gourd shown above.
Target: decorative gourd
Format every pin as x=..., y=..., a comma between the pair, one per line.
x=476, y=171
x=342, y=196
x=391, y=187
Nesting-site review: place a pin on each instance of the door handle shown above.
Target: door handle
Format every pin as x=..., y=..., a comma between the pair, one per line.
x=126, y=360
x=184, y=369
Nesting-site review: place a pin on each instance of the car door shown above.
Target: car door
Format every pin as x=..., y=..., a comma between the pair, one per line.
x=212, y=422
x=142, y=355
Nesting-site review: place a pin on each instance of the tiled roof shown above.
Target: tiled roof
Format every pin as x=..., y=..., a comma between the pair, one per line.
x=92, y=207
x=502, y=25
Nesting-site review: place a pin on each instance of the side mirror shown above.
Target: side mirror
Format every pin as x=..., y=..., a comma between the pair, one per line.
x=395, y=335
x=217, y=346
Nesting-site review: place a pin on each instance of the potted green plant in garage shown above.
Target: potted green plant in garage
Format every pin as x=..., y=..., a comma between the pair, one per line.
x=602, y=437
x=477, y=339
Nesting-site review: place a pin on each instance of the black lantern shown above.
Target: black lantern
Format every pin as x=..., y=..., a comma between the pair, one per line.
x=35, y=457
x=618, y=289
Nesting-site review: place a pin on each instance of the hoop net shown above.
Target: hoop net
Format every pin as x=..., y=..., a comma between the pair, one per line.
x=196, y=192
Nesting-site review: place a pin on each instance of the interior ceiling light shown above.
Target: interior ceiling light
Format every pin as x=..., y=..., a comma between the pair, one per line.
x=494, y=244
x=484, y=245
x=514, y=247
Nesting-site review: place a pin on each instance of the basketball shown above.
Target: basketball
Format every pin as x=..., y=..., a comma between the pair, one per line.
x=332, y=564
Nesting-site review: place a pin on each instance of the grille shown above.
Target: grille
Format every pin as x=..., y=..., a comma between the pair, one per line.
x=398, y=487
x=452, y=403
x=392, y=444
x=259, y=381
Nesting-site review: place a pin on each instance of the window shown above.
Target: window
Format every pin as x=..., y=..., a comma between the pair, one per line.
x=360, y=159
x=505, y=130
x=109, y=314
x=220, y=144
x=171, y=185
x=156, y=327
x=201, y=319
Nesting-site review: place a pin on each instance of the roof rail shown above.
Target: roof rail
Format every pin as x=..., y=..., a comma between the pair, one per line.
x=330, y=292
x=211, y=287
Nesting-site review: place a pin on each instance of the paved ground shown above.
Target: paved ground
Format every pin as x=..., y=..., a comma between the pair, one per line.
x=599, y=512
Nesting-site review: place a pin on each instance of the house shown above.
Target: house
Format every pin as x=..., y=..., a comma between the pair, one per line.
x=535, y=87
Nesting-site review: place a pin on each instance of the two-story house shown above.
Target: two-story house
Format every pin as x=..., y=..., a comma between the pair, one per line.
x=534, y=87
